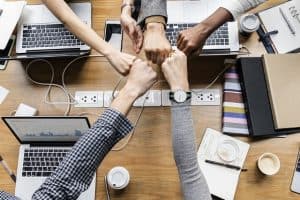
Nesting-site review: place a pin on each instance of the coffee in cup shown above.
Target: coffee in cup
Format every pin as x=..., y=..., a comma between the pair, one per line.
x=268, y=164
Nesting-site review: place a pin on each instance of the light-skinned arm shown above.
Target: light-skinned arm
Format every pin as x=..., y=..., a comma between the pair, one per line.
x=193, y=183
x=130, y=26
x=75, y=173
x=120, y=61
x=152, y=19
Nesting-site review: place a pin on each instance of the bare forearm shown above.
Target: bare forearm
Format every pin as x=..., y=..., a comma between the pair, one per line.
x=124, y=101
x=127, y=9
x=214, y=21
x=86, y=34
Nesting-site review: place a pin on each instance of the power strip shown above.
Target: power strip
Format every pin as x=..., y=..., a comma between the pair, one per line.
x=208, y=97
x=155, y=98
x=89, y=99
x=200, y=97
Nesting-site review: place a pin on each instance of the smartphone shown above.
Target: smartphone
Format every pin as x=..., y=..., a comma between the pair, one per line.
x=6, y=52
x=295, y=186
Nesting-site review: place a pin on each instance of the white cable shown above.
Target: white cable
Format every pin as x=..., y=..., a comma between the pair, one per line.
x=227, y=66
x=67, y=67
x=50, y=85
x=121, y=147
x=70, y=98
x=134, y=128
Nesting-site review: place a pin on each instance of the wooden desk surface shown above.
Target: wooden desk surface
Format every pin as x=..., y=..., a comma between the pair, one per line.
x=148, y=157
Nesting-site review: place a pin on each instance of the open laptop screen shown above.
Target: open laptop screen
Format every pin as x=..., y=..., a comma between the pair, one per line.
x=47, y=129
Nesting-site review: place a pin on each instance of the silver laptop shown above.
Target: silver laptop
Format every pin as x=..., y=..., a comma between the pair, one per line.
x=41, y=34
x=186, y=14
x=45, y=141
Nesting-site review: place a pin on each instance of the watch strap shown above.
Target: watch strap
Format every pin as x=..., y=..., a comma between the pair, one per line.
x=188, y=96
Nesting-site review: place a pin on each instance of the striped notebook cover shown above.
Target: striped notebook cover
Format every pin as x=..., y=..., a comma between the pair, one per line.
x=234, y=117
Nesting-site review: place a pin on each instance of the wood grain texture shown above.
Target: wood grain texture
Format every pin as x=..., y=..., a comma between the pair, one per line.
x=148, y=157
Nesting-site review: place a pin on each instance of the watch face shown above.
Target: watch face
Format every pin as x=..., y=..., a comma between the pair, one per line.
x=180, y=96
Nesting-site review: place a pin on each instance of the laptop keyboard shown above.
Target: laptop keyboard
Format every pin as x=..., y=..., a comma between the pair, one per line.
x=41, y=162
x=218, y=38
x=48, y=35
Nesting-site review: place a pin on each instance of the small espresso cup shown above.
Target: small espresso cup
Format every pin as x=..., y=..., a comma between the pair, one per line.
x=268, y=164
x=118, y=178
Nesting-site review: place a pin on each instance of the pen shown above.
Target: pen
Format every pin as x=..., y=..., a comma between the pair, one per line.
x=223, y=164
x=287, y=21
x=7, y=169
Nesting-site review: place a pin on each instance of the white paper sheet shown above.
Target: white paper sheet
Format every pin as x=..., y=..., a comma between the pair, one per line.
x=11, y=13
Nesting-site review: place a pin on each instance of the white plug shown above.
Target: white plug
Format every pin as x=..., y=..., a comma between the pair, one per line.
x=25, y=111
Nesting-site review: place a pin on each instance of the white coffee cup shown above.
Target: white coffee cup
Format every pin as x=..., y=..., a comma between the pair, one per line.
x=118, y=178
x=249, y=23
x=268, y=164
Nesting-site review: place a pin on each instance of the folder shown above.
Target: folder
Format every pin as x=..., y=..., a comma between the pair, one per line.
x=257, y=103
x=282, y=74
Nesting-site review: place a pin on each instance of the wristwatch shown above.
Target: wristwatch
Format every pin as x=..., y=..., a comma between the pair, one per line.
x=180, y=96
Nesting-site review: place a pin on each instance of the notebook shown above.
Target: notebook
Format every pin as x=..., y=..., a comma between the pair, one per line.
x=222, y=181
x=257, y=103
x=284, y=18
x=282, y=74
x=234, y=117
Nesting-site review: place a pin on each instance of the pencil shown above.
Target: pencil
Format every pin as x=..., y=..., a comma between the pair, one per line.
x=7, y=169
x=223, y=164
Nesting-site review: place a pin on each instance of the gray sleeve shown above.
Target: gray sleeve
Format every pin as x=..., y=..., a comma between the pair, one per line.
x=152, y=8
x=192, y=181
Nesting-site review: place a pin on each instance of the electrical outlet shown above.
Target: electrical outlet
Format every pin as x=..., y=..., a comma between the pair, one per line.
x=89, y=99
x=165, y=100
x=108, y=98
x=208, y=97
x=153, y=99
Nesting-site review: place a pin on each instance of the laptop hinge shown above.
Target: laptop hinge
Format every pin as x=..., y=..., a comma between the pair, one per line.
x=49, y=144
x=53, y=50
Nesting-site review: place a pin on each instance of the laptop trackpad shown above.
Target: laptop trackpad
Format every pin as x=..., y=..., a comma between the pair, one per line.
x=25, y=188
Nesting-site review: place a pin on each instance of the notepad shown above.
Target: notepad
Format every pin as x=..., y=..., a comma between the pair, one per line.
x=283, y=21
x=222, y=181
x=282, y=74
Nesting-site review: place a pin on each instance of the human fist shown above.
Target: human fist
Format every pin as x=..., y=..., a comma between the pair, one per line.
x=141, y=78
x=175, y=70
x=122, y=62
x=192, y=39
x=133, y=30
x=156, y=45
